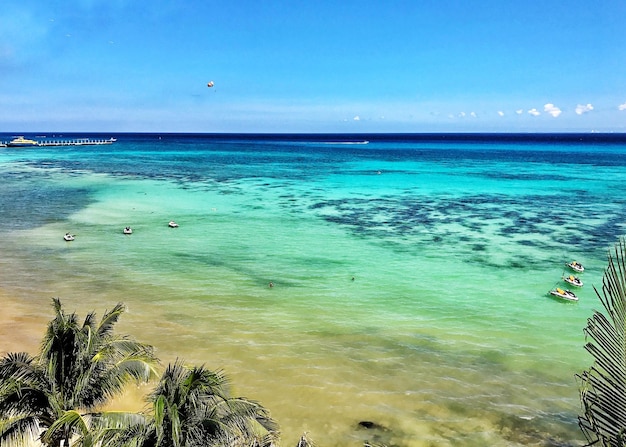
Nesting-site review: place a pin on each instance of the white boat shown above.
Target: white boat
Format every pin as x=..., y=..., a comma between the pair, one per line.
x=564, y=294
x=128, y=230
x=21, y=142
x=68, y=237
x=172, y=224
x=573, y=280
x=576, y=266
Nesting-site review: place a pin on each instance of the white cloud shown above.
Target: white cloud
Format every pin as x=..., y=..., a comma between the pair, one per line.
x=500, y=112
x=534, y=112
x=622, y=106
x=462, y=114
x=357, y=118
x=473, y=114
x=552, y=110
x=519, y=111
x=580, y=109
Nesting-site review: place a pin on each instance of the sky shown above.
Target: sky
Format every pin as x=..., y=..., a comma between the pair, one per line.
x=312, y=66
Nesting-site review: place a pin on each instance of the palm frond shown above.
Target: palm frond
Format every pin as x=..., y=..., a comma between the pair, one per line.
x=90, y=321
x=247, y=415
x=127, y=431
x=109, y=319
x=19, y=431
x=603, y=386
x=176, y=427
x=16, y=366
x=238, y=422
x=113, y=428
x=56, y=304
x=70, y=422
x=23, y=400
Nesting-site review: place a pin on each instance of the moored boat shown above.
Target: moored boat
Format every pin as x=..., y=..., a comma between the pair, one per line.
x=564, y=294
x=576, y=266
x=68, y=237
x=172, y=224
x=573, y=280
x=21, y=142
x=128, y=230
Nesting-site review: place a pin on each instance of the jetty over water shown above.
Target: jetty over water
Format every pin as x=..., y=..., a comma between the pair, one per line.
x=24, y=142
x=77, y=142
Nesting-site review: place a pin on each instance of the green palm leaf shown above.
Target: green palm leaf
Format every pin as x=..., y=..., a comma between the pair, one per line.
x=19, y=431
x=69, y=423
x=603, y=386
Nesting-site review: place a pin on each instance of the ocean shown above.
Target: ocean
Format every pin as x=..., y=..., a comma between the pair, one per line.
x=395, y=279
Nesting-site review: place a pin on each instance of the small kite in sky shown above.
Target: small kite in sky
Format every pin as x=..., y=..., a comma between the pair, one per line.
x=210, y=84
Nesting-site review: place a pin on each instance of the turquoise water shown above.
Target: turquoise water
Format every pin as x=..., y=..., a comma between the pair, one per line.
x=410, y=275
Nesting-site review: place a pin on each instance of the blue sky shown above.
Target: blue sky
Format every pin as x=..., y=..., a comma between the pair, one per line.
x=314, y=66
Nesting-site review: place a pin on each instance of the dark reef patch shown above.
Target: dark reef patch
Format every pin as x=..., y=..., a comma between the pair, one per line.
x=469, y=223
x=43, y=205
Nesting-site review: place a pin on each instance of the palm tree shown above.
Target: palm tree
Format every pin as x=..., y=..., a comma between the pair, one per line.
x=603, y=385
x=53, y=396
x=191, y=407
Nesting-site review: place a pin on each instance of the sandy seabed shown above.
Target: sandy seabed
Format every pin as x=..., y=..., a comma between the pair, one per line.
x=20, y=329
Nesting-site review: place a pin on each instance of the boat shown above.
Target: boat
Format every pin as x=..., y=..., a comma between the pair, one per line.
x=68, y=237
x=21, y=142
x=573, y=280
x=564, y=294
x=128, y=230
x=576, y=266
x=172, y=224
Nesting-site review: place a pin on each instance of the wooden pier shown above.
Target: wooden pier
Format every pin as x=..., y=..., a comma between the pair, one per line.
x=77, y=142
x=56, y=142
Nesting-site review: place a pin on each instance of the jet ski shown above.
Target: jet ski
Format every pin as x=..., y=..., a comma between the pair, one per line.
x=564, y=294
